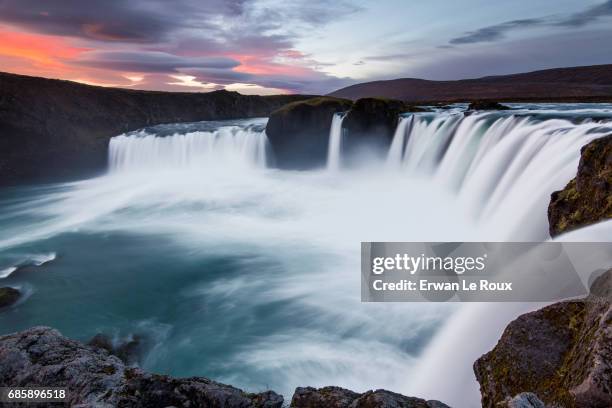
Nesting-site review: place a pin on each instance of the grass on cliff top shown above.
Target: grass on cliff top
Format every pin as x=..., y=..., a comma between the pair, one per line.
x=315, y=102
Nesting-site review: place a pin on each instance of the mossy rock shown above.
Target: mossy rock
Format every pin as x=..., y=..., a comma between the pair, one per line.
x=561, y=353
x=587, y=198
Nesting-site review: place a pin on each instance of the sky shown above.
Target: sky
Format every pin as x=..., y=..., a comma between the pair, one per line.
x=295, y=46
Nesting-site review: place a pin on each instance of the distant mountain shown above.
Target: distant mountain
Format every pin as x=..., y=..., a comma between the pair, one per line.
x=591, y=83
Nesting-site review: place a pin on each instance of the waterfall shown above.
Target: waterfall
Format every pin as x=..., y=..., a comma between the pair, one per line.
x=335, y=142
x=227, y=146
x=394, y=157
x=501, y=167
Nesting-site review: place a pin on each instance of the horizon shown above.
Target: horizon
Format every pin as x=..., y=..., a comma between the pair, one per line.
x=271, y=47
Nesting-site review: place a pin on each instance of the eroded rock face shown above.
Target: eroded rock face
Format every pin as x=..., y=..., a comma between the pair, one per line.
x=587, y=198
x=41, y=356
x=562, y=353
x=8, y=296
x=336, y=397
x=299, y=132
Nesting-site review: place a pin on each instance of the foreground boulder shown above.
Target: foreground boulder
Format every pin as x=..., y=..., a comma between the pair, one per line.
x=587, y=198
x=486, y=105
x=41, y=356
x=371, y=122
x=299, y=132
x=8, y=296
x=562, y=353
x=336, y=397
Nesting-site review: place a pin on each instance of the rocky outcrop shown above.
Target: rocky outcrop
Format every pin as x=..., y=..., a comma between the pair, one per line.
x=8, y=296
x=41, y=356
x=486, y=105
x=587, y=198
x=336, y=397
x=51, y=129
x=562, y=353
x=299, y=132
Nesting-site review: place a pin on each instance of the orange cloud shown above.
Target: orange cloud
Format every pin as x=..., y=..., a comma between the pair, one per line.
x=42, y=50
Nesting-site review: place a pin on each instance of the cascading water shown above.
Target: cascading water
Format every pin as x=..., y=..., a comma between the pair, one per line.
x=396, y=151
x=335, y=142
x=227, y=145
x=192, y=241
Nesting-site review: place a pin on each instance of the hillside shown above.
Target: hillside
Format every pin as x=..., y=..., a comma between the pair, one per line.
x=591, y=83
x=52, y=129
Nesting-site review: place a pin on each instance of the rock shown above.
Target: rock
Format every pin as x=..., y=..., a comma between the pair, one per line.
x=130, y=351
x=562, y=353
x=336, y=397
x=486, y=105
x=523, y=400
x=55, y=129
x=332, y=397
x=299, y=132
x=8, y=296
x=371, y=123
x=587, y=198
x=41, y=356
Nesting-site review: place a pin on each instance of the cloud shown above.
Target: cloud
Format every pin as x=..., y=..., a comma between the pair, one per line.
x=150, y=61
x=588, y=16
x=217, y=41
x=495, y=32
x=499, y=31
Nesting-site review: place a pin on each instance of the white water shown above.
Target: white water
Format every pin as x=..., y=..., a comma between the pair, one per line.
x=232, y=146
x=454, y=178
x=335, y=143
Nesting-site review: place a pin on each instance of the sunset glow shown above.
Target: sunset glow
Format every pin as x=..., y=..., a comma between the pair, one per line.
x=319, y=47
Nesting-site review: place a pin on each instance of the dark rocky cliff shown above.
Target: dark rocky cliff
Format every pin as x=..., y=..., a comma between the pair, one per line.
x=562, y=353
x=52, y=129
x=587, y=198
x=299, y=132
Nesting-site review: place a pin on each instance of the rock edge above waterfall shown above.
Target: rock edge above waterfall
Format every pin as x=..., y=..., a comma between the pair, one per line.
x=299, y=132
x=587, y=198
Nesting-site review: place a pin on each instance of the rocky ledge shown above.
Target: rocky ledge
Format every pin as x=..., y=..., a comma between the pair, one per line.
x=561, y=353
x=336, y=397
x=587, y=198
x=41, y=356
x=299, y=131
